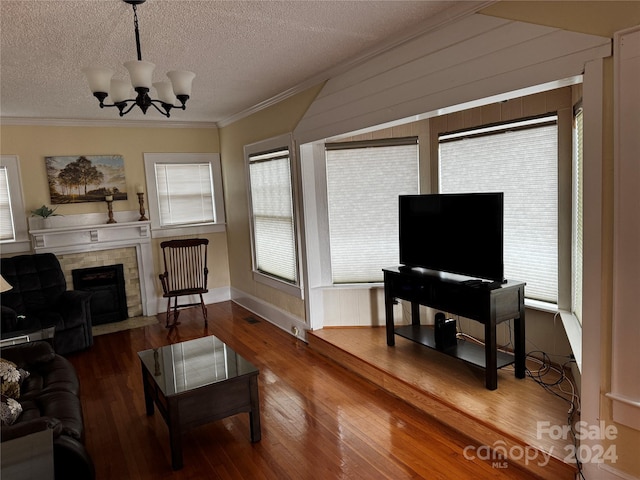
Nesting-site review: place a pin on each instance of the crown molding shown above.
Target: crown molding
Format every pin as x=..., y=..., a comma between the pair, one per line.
x=301, y=87
x=74, y=122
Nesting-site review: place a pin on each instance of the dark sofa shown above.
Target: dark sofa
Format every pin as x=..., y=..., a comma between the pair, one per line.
x=49, y=397
x=39, y=299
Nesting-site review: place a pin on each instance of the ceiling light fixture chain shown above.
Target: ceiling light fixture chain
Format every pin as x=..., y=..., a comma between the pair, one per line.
x=103, y=85
x=137, y=31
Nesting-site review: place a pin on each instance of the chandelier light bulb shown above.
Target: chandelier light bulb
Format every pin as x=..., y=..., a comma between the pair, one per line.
x=120, y=91
x=99, y=78
x=140, y=72
x=165, y=92
x=181, y=81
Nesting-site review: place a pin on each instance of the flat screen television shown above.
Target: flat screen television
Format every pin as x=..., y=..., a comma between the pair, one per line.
x=455, y=233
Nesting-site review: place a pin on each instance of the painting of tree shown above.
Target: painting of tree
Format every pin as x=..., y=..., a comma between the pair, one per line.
x=85, y=178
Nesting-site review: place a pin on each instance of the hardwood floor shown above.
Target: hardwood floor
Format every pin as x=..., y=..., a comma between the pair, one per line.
x=454, y=392
x=319, y=420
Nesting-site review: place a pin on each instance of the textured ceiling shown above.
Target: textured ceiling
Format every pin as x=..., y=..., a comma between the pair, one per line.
x=243, y=52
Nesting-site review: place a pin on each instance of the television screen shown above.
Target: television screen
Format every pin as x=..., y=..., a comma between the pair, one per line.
x=456, y=233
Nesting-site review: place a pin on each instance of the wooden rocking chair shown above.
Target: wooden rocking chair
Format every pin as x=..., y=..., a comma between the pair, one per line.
x=185, y=274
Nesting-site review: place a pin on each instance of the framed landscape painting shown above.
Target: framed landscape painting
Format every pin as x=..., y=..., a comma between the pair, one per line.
x=85, y=178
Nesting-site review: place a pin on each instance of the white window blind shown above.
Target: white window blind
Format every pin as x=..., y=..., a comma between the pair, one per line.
x=363, y=185
x=519, y=159
x=7, y=230
x=185, y=193
x=578, y=187
x=273, y=215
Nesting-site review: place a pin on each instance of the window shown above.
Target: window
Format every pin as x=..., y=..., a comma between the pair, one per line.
x=13, y=221
x=270, y=171
x=577, y=245
x=7, y=230
x=185, y=193
x=364, y=180
x=521, y=160
x=272, y=214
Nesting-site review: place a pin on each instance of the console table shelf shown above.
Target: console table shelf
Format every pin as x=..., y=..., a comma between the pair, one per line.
x=489, y=304
x=467, y=351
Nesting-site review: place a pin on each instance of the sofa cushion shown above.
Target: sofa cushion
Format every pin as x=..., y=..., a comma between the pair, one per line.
x=30, y=410
x=65, y=407
x=56, y=375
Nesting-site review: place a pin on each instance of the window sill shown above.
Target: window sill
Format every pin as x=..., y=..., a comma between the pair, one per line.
x=356, y=286
x=15, y=247
x=541, y=306
x=184, y=230
x=571, y=324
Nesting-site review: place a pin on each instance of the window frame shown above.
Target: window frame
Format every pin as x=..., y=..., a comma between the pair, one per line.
x=160, y=231
x=281, y=142
x=21, y=242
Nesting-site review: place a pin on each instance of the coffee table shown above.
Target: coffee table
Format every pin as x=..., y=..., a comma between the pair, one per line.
x=197, y=382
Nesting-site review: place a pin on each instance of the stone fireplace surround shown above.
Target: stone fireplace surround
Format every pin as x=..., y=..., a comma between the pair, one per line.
x=86, y=240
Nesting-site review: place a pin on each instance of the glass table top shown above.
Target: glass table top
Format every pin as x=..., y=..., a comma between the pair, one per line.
x=188, y=365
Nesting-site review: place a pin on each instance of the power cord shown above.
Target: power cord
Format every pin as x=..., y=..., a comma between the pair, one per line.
x=555, y=387
x=573, y=398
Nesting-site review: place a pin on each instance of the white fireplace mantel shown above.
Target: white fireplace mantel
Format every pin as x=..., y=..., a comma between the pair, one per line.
x=90, y=232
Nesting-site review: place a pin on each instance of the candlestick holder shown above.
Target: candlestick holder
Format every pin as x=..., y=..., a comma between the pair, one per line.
x=141, y=202
x=109, y=207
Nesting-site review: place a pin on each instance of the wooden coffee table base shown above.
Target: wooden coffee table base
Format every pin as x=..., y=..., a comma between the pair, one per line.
x=203, y=405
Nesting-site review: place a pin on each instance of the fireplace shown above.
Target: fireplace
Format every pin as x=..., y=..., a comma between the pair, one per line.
x=96, y=243
x=108, y=302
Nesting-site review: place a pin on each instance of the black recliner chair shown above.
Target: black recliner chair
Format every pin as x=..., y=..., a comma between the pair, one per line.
x=40, y=299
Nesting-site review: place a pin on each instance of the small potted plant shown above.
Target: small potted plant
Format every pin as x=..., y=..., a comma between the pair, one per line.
x=45, y=213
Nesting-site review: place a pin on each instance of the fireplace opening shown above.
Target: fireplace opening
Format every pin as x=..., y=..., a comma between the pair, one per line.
x=109, y=299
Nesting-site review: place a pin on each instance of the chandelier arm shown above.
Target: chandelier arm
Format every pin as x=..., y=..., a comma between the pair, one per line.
x=166, y=106
x=101, y=96
x=132, y=102
x=122, y=105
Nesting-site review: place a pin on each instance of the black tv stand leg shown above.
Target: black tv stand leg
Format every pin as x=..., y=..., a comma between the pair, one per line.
x=389, y=301
x=519, y=347
x=491, y=356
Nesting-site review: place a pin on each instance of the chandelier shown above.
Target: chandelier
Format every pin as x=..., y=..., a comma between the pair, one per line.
x=140, y=72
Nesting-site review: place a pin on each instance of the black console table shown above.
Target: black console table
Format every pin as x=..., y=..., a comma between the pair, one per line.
x=489, y=304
